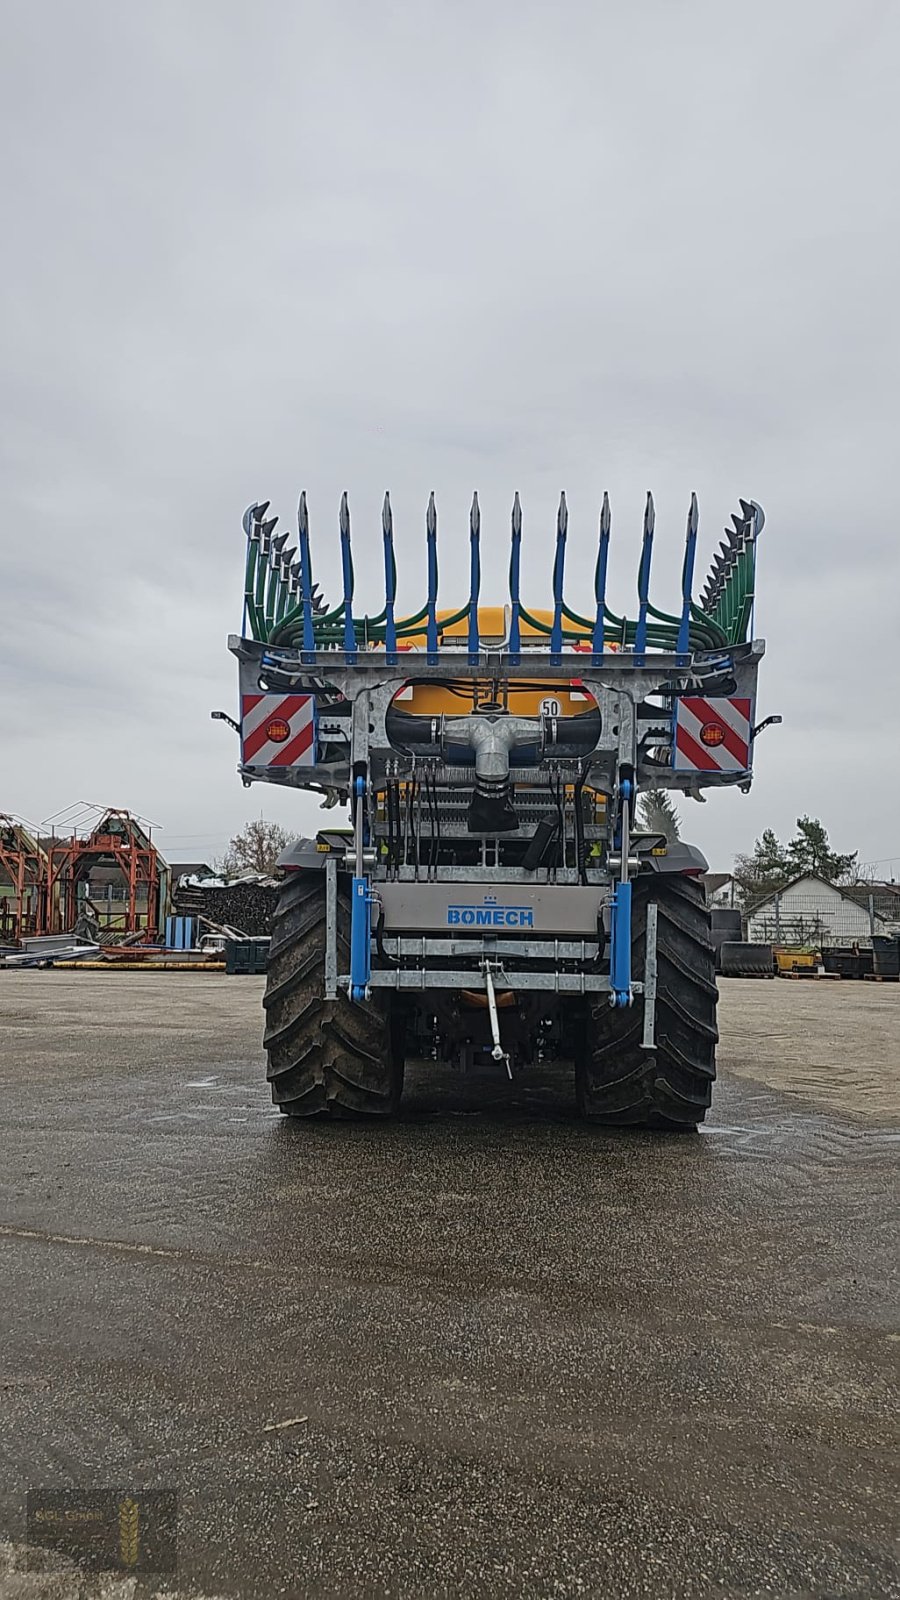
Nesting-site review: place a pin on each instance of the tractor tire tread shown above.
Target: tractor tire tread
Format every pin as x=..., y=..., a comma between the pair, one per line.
x=618, y=1082
x=325, y=1057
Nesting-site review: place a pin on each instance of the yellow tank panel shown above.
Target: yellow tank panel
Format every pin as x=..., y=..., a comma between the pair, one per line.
x=524, y=699
x=493, y=624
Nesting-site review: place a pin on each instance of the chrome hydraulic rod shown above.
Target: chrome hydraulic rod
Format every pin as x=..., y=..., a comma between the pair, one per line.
x=498, y=1052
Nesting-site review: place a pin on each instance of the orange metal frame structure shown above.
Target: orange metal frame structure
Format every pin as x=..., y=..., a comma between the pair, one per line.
x=24, y=865
x=131, y=850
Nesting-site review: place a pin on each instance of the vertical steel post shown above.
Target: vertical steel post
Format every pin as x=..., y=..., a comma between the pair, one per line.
x=331, y=960
x=651, y=970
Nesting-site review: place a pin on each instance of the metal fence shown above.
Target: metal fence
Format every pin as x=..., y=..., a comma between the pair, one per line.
x=822, y=920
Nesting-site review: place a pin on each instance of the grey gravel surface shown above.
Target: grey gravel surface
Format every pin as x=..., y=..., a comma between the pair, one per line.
x=533, y=1359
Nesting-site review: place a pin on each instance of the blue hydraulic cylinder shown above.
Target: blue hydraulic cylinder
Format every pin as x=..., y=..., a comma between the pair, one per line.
x=431, y=634
x=599, y=638
x=474, y=578
x=306, y=603
x=515, y=640
x=687, y=579
x=620, y=945
x=640, y=635
x=559, y=572
x=360, y=938
x=620, y=905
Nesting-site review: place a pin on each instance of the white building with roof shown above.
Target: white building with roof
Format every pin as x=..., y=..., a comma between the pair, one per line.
x=810, y=910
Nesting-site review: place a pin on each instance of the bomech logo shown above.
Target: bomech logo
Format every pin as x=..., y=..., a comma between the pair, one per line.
x=490, y=915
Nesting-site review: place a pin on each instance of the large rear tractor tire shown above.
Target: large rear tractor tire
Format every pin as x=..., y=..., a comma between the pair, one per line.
x=325, y=1057
x=617, y=1081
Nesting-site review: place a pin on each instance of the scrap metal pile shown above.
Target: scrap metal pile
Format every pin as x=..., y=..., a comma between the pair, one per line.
x=247, y=904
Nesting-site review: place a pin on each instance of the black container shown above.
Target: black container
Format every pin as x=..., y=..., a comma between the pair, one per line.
x=848, y=960
x=886, y=952
x=740, y=960
x=246, y=956
x=725, y=927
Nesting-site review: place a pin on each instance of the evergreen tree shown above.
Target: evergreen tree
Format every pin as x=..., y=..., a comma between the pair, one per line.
x=657, y=814
x=763, y=872
x=772, y=864
x=809, y=851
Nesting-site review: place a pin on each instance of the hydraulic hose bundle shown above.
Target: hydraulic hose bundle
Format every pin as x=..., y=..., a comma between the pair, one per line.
x=283, y=606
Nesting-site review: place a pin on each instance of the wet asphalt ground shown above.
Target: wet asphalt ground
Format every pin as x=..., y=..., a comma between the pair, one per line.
x=531, y=1358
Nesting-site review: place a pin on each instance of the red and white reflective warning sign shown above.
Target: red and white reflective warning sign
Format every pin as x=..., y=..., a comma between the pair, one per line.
x=712, y=735
x=278, y=730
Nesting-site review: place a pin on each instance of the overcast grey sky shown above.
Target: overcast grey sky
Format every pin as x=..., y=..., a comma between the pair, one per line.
x=256, y=248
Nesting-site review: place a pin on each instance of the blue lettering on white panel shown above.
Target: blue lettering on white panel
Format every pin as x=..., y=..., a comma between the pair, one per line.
x=490, y=915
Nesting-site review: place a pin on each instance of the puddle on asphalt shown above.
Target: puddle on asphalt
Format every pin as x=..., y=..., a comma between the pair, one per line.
x=815, y=1138
x=723, y=1128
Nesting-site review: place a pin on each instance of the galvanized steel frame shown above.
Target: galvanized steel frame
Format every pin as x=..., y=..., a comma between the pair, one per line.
x=623, y=683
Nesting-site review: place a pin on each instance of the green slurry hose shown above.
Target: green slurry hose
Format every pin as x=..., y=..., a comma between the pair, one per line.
x=276, y=609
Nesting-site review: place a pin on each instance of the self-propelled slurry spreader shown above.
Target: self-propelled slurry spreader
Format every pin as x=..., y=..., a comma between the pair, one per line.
x=492, y=898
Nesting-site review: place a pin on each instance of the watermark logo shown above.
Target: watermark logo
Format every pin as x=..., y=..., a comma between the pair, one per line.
x=107, y=1530
x=129, y=1533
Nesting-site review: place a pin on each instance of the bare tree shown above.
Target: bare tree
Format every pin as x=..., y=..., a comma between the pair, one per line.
x=256, y=848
